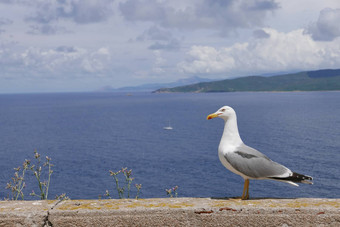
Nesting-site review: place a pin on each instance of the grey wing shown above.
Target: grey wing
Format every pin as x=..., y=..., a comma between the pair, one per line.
x=254, y=164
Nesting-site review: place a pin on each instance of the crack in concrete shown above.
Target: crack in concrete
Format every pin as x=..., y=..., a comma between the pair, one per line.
x=47, y=222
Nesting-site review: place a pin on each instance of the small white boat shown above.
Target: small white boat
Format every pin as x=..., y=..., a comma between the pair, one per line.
x=168, y=127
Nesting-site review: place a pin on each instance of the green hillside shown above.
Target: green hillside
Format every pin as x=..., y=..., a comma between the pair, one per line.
x=320, y=80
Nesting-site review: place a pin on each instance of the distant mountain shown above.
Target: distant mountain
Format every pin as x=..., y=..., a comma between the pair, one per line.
x=155, y=86
x=320, y=80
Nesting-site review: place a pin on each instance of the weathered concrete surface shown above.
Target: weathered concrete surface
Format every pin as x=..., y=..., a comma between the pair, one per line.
x=173, y=212
x=24, y=213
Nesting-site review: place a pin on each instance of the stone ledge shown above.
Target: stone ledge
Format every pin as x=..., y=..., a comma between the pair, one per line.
x=172, y=212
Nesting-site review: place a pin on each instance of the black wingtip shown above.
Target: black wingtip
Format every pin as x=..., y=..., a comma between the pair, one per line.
x=296, y=178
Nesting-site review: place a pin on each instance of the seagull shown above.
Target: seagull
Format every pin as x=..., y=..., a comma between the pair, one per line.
x=247, y=161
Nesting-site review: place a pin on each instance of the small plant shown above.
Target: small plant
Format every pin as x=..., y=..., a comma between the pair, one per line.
x=172, y=190
x=18, y=181
x=127, y=186
x=128, y=179
x=107, y=194
x=119, y=189
x=43, y=185
x=139, y=187
x=62, y=197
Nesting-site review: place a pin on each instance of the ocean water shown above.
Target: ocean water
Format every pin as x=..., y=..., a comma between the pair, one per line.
x=88, y=134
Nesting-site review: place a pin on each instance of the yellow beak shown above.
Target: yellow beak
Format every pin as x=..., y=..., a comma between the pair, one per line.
x=211, y=116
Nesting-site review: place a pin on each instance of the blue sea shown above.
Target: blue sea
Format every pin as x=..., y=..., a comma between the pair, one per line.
x=88, y=134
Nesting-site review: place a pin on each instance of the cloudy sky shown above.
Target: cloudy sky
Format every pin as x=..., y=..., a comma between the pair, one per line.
x=82, y=45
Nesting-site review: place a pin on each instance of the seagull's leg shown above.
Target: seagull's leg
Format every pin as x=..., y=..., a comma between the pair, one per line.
x=245, y=194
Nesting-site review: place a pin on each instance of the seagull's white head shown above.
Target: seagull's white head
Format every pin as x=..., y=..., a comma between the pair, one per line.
x=224, y=112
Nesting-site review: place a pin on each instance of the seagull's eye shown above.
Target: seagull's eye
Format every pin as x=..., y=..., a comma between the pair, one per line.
x=223, y=110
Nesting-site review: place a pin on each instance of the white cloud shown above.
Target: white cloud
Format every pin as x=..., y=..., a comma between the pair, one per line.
x=222, y=16
x=97, y=62
x=159, y=63
x=125, y=42
x=327, y=27
x=164, y=39
x=155, y=33
x=9, y=59
x=278, y=52
x=46, y=29
x=80, y=11
x=205, y=59
x=5, y=21
x=170, y=45
x=260, y=34
x=59, y=62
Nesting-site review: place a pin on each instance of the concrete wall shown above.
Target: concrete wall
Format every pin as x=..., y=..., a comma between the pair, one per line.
x=172, y=212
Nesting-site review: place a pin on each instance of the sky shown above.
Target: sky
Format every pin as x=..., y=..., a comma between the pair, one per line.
x=83, y=45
